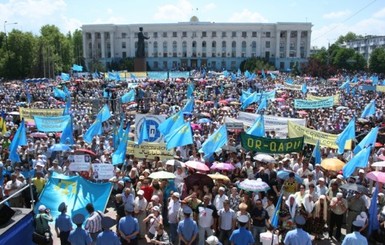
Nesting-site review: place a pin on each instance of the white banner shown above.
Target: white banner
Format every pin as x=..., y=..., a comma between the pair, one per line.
x=152, y=122
x=79, y=163
x=102, y=171
x=278, y=124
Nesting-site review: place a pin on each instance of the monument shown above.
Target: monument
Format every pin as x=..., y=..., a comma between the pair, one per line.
x=140, y=63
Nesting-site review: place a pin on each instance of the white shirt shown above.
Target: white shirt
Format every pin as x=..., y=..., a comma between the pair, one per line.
x=218, y=201
x=173, y=208
x=140, y=204
x=226, y=218
x=205, y=217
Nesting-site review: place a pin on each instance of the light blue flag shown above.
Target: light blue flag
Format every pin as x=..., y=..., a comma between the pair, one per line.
x=233, y=77
x=358, y=161
x=65, y=76
x=179, y=137
x=273, y=76
x=374, y=80
x=317, y=153
x=289, y=81
x=346, y=86
x=369, y=140
x=369, y=109
x=252, y=98
x=304, y=88
x=67, y=108
x=263, y=104
x=58, y=93
x=94, y=129
x=225, y=73
x=133, y=76
x=244, y=95
x=105, y=112
x=95, y=75
x=247, y=74
x=258, y=128
x=118, y=132
x=76, y=192
x=120, y=153
x=77, y=68
x=129, y=97
x=189, y=107
x=275, y=218
x=190, y=90
x=373, y=217
x=175, y=120
x=143, y=135
x=355, y=79
x=19, y=139
x=66, y=91
x=348, y=133
x=51, y=124
x=263, y=74
x=239, y=73
x=214, y=142
x=67, y=136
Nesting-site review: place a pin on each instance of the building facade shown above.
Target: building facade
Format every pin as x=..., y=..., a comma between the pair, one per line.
x=195, y=44
x=366, y=45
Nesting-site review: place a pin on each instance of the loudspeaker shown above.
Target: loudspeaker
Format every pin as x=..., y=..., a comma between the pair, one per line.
x=6, y=214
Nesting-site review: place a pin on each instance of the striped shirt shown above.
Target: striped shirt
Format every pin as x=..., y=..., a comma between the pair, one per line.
x=94, y=222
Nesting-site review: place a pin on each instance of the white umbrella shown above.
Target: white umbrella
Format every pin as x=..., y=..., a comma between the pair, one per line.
x=264, y=158
x=175, y=163
x=379, y=164
x=253, y=185
x=162, y=175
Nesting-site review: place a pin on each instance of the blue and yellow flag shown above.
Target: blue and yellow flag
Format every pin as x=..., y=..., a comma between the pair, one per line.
x=317, y=153
x=105, y=112
x=258, y=128
x=120, y=154
x=20, y=138
x=275, y=218
x=369, y=109
x=179, y=137
x=67, y=136
x=94, y=129
x=143, y=135
x=128, y=97
x=171, y=123
x=214, y=142
x=347, y=134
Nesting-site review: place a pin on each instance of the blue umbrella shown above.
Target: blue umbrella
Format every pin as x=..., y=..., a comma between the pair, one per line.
x=59, y=147
x=284, y=174
x=204, y=120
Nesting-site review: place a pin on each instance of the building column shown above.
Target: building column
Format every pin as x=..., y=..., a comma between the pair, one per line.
x=277, y=44
x=258, y=49
x=93, y=49
x=307, y=50
x=112, y=42
x=299, y=44
x=288, y=34
x=103, y=41
x=85, y=46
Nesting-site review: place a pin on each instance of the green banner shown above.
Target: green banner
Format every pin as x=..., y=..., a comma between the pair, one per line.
x=272, y=146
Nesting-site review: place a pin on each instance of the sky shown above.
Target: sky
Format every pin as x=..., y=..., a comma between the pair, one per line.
x=330, y=18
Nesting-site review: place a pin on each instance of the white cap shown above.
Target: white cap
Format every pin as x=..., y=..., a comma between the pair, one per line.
x=340, y=176
x=339, y=194
x=140, y=193
x=42, y=208
x=221, y=188
x=361, y=171
x=212, y=240
x=321, y=179
x=359, y=223
x=176, y=194
x=243, y=218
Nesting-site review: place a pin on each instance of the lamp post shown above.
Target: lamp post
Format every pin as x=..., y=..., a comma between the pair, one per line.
x=5, y=32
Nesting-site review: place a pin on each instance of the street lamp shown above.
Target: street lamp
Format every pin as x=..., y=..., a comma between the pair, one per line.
x=5, y=32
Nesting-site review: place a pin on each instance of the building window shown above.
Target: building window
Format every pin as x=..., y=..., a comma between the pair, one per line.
x=156, y=64
x=124, y=54
x=194, y=34
x=124, y=35
x=304, y=34
x=204, y=54
x=214, y=44
x=155, y=35
x=123, y=44
x=214, y=34
x=234, y=34
x=204, y=44
x=254, y=45
x=267, y=55
x=281, y=65
x=234, y=44
x=194, y=44
x=244, y=34
x=254, y=34
x=174, y=34
x=267, y=44
x=282, y=34
x=194, y=49
x=184, y=49
x=223, y=64
x=224, y=34
x=214, y=64
x=164, y=34
x=184, y=34
x=98, y=35
x=174, y=46
x=268, y=34
x=165, y=66
x=293, y=34
x=204, y=34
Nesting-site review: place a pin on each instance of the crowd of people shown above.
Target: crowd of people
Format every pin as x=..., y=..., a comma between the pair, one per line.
x=164, y=211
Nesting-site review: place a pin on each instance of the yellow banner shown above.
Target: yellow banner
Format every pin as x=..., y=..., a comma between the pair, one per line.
x=149, y=150
x=336, y=98
x=380, y=88
x=28, y=113
x=312, y=136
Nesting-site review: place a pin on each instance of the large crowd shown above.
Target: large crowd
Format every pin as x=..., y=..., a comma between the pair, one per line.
x=213, y=211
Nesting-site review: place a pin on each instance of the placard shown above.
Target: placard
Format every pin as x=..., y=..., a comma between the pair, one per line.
x=79, y=163
x=102, y=171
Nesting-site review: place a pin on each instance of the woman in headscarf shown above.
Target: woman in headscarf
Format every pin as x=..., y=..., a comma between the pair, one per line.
x=306, y=210
x=300, y=195
x=320, y=216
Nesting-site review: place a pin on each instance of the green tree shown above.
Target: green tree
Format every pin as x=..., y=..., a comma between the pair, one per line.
x=348, y=59
x=350, y=36
x=377, y=60
x=256, y=64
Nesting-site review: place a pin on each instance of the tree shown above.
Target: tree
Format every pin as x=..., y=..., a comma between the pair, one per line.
x=255, y=65
x=350, y=36
x=377, y=60
x=348, y=59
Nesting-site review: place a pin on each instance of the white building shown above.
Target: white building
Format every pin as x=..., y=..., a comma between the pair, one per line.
x=366, y=45
x=197, y=44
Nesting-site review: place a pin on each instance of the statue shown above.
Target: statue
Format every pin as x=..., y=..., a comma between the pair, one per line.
x=141, y=38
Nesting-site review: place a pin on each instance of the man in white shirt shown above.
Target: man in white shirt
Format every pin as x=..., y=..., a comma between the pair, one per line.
x=179, y=177
x=226, y=222
x=140, y=205
x=220, y=198
x=309, y=180
x=12, y=186
x=317, y=173
x=173, y=208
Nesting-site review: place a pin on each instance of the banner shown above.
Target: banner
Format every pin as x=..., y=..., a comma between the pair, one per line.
x=336, y=98
x=149, y=150
x=79, y=163
x=380, y=88
x=312, y=136
x=178, y=74
x=157, y=75
x=76, y=192
x=29, y=113
x=152, y=122
x=271, y=146
x=51, y=124
x=289, y=86
x=102, y=171
x=368, y=87
x=313, y=104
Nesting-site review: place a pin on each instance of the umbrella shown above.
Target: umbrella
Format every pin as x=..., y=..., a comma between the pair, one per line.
x=39, y=135
x=225, y=108
x=209, y=103
x=234, y=103
x=302, y=112
x=200, y=166
x=378, y=144
x=198, y=179
x=376, y=176
x=223, y=166
x=175, y=163
x=333, y=164
x=162, y=175
x=14, y=113
x=82, y=150
x=253, y=185
x=379, y=164
x=198, y=102
x=59, y=147
x=218, y=176
x=224, y=102
x=195, y=126
x=355, y=187
x=204, y=120
x=284, y=174
x=280, y=99
x=264, y=158
x=341, y=108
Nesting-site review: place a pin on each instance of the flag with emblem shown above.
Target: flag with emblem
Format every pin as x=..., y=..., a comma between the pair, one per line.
x=275, y=218
x=258, y=128
x=214, y=142
x=179, y=137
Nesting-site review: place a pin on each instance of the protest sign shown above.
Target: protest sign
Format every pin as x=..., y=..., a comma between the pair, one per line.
x=313, y=104
x=51, y=124
x=102, y=171
x=29, y=113
x=79, y=163
x=271, y=146
x=336, y=98
x=149, y=150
